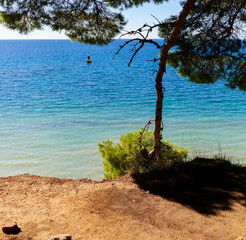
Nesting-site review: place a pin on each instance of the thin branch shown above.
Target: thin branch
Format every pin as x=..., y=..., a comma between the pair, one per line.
x=143, y=32
x=121, y=47
x=154, y=60
x=152, y=42
x=156, y=19
x=134, y=49
x=135, y=53
x=146, y=28
x=144, y=129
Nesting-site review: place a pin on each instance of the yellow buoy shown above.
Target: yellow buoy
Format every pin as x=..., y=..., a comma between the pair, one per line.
x=88, y=60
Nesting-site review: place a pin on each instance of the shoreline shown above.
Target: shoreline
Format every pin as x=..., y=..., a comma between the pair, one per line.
x=198, y=200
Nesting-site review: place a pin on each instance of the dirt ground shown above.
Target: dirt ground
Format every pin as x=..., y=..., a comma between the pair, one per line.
x=201, y=200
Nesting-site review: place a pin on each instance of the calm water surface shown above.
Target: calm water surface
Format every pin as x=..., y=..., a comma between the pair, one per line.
x=55, y=108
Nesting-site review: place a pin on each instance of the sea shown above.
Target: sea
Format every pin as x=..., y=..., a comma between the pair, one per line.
x=55, y=108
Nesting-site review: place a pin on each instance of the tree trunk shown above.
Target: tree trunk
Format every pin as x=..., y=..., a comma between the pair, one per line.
x=158, y=115
x=161, y=70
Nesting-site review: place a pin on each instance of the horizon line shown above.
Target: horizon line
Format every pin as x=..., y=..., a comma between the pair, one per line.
x=56, y=39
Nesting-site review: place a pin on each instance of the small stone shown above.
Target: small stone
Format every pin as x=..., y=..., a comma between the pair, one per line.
x=61, y=237
x=11, y=228
x=239, y=238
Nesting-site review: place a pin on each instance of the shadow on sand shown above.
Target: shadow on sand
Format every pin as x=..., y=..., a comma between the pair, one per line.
x=205, y=185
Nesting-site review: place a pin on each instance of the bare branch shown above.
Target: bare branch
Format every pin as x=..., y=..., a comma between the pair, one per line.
x=144, y=129
x=143, y=32
x=135, y=53
x=156, y=19
x=134, y=49
x=121, y=47
x=154, y=60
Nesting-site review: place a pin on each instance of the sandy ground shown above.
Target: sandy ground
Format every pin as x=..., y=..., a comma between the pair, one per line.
x=197, y=200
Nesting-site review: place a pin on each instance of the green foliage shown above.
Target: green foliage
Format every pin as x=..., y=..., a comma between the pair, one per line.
x=124, y=4
x=173, y=153
x=130, y=154
x=209, y=47
x=86, y=21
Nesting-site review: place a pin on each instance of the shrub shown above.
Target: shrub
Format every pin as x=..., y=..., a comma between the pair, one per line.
x=130, y=154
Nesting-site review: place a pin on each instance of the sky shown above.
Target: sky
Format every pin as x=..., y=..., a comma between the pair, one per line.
x=136, y=17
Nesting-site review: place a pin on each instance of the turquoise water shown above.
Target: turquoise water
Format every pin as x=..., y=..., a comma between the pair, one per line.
x=55, y=108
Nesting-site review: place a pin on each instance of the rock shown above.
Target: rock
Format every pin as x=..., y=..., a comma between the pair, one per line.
x=61, y=237
x=11, y=228
x=239, y=238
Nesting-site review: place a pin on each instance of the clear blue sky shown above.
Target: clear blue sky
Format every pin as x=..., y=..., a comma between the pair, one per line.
x=136, y=18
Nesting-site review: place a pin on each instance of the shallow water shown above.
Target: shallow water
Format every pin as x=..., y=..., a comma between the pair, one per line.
x=55, y=108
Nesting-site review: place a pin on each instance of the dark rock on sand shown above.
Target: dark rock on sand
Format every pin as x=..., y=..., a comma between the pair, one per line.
x=11, y=228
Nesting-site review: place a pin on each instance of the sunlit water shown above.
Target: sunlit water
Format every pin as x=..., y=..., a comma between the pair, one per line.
x=55, y=108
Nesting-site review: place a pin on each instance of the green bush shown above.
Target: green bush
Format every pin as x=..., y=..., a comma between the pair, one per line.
x=130, y=154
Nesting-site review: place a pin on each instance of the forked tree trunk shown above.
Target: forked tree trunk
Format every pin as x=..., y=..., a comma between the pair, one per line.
x=161, y=70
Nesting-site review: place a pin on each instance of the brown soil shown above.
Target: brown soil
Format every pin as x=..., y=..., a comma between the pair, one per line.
x=200, y=200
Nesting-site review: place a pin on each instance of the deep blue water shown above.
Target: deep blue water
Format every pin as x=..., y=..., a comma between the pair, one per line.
x=55, y=108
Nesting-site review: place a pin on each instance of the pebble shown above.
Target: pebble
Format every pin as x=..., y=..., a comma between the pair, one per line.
x=11, y=228
x=61, y=237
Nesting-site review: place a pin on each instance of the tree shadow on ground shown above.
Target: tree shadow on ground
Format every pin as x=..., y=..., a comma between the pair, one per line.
x=205, y=185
